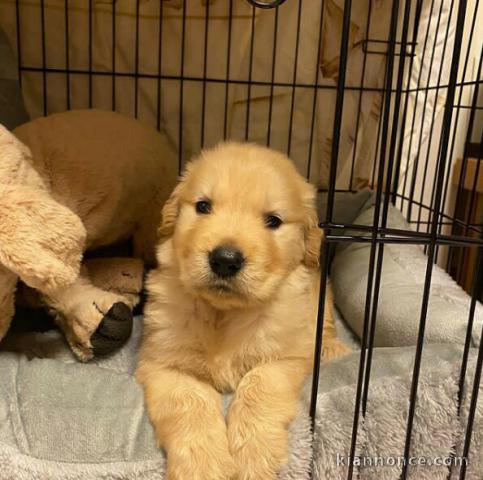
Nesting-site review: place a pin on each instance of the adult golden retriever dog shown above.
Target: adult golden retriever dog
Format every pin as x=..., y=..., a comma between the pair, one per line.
x=232, y=307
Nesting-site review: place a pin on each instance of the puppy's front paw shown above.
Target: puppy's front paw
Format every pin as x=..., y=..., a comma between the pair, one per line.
x=200, y=462
x=259, y=450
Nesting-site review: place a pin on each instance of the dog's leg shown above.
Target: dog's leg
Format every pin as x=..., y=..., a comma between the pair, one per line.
x=8, y=282
x=334, y=348
x=119, y=275
x=265, y=402
x=188, y=422
x=94, y=321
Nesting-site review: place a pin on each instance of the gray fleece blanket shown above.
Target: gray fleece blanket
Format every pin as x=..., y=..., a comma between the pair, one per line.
x=65, y=421
x=438, y=429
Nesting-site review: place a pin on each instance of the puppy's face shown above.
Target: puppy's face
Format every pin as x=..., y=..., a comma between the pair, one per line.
x=241, y=219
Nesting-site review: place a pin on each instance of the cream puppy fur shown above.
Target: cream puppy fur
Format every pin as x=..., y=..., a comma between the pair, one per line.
x=232, y=308
x=71, y=183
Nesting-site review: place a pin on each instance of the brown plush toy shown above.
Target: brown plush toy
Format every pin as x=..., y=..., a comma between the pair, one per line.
x=71, y=183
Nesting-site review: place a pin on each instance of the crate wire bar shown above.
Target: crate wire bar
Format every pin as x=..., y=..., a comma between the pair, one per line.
x=420, y=188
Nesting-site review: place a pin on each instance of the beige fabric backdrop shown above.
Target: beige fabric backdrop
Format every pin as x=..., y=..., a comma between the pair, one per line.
x=125, y=60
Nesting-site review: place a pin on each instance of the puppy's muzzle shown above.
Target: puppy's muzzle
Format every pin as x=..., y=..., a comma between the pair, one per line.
x=226, y=261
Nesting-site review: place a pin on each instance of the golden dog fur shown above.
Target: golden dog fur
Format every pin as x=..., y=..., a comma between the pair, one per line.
x=252, y=334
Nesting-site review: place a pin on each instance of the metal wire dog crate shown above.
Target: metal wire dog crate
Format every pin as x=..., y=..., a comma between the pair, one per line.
x=427, y=105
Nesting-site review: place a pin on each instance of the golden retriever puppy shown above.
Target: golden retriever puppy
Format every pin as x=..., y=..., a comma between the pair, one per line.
x=232, y=308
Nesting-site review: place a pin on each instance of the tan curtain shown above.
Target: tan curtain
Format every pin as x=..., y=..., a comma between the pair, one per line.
x=238, y=93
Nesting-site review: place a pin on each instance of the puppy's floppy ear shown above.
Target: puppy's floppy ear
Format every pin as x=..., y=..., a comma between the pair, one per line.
x=170, y=211
x=312, y=233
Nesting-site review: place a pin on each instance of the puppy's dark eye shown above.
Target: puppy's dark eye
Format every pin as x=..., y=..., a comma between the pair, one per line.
x=273, y=222
x=203, y=207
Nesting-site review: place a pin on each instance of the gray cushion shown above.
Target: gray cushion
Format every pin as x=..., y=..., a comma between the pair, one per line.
x=347, y=206
x=401, y=291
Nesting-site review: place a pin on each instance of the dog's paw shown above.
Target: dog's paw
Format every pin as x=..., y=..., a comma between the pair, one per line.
x=201, y=456
x=202, y=465
x=259, y=452
x=113, y=331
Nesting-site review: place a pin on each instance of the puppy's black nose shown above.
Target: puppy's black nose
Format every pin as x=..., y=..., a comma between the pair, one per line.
x=226, y=261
